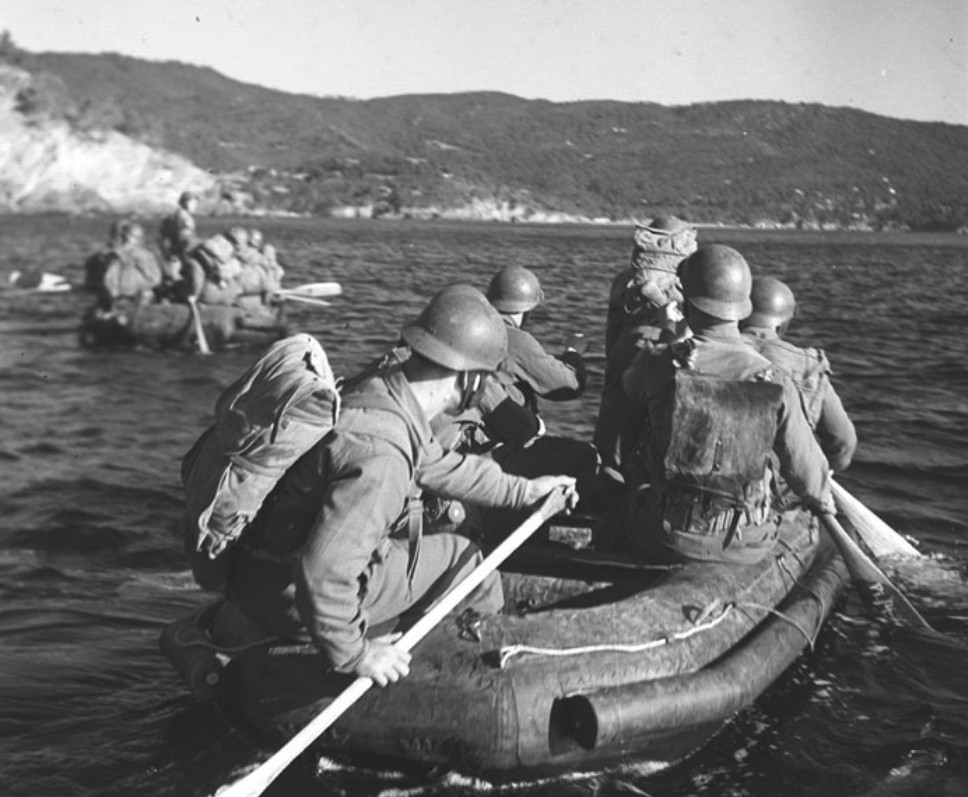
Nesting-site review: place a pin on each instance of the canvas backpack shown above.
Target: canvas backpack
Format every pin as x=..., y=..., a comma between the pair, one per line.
x=284, y=404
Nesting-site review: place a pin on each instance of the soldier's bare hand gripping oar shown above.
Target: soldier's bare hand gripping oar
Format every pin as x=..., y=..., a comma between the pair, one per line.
x=259, y=779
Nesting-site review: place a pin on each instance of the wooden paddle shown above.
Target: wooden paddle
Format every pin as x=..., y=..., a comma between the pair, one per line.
x=315, y=290
x=258, y=780
x=880, y=538
x=295, y=297
x=863, y=570
x=200, y=338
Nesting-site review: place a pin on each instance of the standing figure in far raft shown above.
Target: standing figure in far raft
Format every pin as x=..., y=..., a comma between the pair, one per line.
x=644, y=309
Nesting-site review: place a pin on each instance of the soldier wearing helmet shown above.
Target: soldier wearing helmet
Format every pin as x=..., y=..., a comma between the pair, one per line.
x=338, y=549
x=528, y=369
x=774, y=306
x=644, y=308
x=528, y=373
x=176, y=238
x=132, y=274
x=715, y=413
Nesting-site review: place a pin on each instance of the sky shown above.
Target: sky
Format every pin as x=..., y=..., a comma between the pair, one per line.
x=902, y=58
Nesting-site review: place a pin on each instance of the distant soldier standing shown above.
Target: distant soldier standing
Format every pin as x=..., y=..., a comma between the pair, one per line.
x=177, y=235
x=774, y=306
x=643, y=310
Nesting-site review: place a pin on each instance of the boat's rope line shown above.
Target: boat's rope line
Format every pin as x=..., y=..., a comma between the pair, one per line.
x=508, y=652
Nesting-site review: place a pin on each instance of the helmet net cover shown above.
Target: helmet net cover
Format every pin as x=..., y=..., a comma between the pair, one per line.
x=664, y=235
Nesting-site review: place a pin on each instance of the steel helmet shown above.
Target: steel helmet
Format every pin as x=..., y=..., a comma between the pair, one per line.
x=238, y=235
x=515, y=290
x=459, y=330
x=773, y=303
x=668, y=224
x=717, y=280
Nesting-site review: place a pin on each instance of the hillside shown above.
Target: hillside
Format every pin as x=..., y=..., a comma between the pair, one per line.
x=499, y=156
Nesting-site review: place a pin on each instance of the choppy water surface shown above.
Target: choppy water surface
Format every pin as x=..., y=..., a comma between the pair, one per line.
x=91, y=569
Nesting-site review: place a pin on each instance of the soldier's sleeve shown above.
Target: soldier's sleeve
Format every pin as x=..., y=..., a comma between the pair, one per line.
x=504, y=418
x=802, y=463
x=835, y=430
x=553, y=378
x=362, y=501
x=471, y=478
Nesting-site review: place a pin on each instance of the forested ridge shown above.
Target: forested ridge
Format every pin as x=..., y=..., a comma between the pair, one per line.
x=742, y=162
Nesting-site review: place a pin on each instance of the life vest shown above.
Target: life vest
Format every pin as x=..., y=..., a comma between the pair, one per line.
x=284, y=404
x=717, y=465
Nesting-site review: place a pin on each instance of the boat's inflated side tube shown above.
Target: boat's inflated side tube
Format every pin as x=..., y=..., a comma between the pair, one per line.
x=194, y=656
x=617, y=715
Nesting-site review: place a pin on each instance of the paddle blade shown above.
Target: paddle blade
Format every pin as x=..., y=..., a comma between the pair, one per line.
x=863, y=570
x=295, y=297
x=316, y=290
x=880, y=538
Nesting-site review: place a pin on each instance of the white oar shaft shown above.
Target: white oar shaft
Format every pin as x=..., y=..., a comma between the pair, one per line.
x=861, y=568
x=200, y=339
x=259, y=779
x=318, y=290
x=876, y=534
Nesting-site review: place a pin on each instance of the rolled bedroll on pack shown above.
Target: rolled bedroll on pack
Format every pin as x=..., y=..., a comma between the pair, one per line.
x=596, y=658
x=170, y=325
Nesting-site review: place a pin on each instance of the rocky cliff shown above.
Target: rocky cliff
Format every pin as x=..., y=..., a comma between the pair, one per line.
x=46, y=165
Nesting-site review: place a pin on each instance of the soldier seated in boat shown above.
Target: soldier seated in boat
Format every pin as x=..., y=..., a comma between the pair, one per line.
x=715, y=413
x=528, y=372
x=132, y=273
x=211, y=272
x=97, y=264
x=774, y=306
x=644, y=309
x=269, y=256
x=337, y=555
x=255, y=278
x=506, y=425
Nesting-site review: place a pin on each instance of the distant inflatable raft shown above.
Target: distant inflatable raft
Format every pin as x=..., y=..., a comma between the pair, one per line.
x=169, y=325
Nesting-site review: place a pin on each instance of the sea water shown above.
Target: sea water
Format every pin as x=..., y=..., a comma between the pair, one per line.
x=92, y=569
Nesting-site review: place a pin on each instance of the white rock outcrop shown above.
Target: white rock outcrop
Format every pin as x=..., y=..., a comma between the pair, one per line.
x=45, y=165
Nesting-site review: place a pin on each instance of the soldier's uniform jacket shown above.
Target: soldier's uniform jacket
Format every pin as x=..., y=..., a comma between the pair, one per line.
x=302, y=567
x=810, y=372
x=133, y=272
x=177, y=235
x=528, y=371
